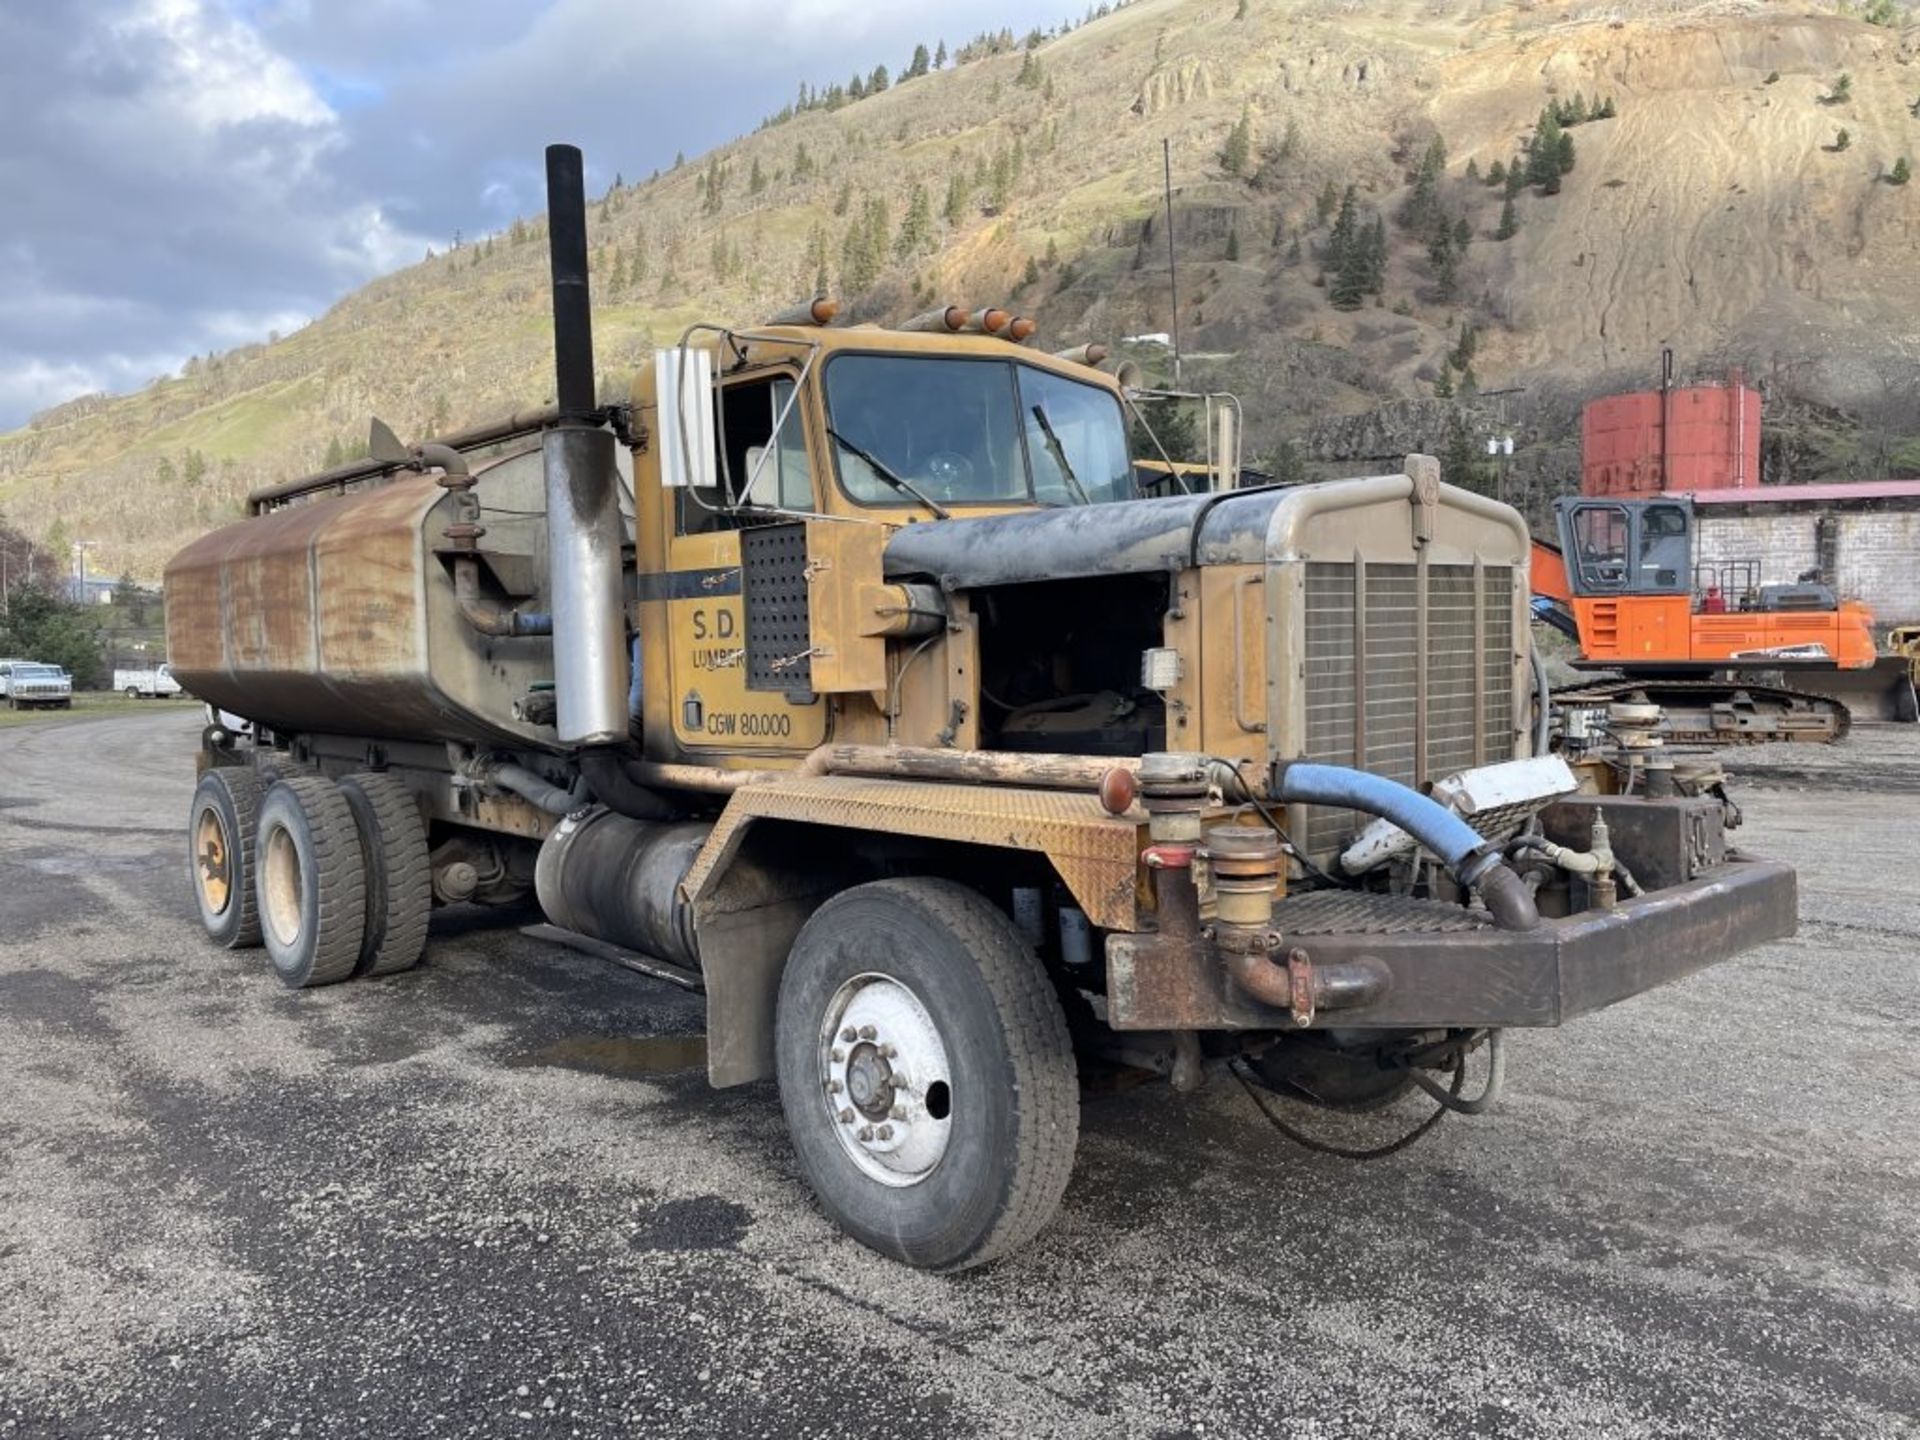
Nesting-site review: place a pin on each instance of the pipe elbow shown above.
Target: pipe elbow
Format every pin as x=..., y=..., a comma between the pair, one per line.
x=606, y=776
x=1255, y=972
x=1507, y=898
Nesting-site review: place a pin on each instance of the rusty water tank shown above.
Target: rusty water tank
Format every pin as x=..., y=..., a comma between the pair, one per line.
x=1686, y=438
x=337, y=614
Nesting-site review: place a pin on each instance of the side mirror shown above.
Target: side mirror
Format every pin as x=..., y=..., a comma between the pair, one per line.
x=683, y=389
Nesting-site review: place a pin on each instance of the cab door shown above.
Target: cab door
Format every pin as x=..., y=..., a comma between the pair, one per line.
x=761, y=444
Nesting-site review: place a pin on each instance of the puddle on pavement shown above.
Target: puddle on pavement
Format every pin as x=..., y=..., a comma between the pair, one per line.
x=622, y=1055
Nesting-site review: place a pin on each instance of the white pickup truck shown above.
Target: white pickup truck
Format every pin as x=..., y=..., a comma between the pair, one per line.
x=152, y=683
x=27, y=684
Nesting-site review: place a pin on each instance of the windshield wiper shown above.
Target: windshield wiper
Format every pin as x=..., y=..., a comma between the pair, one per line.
x=887, y=473
x=1059, y=453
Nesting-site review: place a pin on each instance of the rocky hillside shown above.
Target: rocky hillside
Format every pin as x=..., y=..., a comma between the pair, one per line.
x=1716, y=209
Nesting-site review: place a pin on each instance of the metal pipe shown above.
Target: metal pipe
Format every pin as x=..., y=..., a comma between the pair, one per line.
x=1543, y=701
x=520, y=422
x=585, y=536
x=977, y=767
x=572, y=310
x=488, y=616
x=604, y=770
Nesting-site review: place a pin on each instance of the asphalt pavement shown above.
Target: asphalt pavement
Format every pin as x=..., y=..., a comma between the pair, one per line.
x=494, y=1196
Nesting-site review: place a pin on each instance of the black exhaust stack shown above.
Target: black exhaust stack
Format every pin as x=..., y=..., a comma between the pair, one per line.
x=572, y=307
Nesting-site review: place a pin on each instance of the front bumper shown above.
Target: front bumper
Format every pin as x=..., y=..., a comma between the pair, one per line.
x=1434, y=965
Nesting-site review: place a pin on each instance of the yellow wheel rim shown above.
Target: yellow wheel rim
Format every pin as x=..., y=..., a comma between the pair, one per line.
x=213, y=862
x=280, y=889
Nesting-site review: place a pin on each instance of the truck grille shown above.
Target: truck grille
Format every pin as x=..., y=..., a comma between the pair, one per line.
x=1370, y=720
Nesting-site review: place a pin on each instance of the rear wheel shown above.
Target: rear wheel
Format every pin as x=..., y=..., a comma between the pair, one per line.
x=311, y=880
x=926, y=1073
x=220, y=845
x=399, y=875
x=133, y=692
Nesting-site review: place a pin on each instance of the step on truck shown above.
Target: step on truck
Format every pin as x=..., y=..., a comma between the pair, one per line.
x=840, y=674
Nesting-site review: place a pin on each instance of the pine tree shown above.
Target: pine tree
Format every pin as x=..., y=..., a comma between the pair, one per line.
x=955, y=210
x=1443, y=382
x=878, y=80
x=1841, y=141
x=1473, y=170
x=1901, y=172
x=1516, y=176
x=916, y=229
x=1233, y=244
x=1030, y=74
x=919, y=64
x=1053, y=253
x=1543, y=154
x=1347, y=250
x=1509, y=221
x=803, y=166
x=940, y=56
x=1377, y=256
x=844, y=198
x=1238, y=151
x=1563, y=155
x=1000, y=182
x=716, y=186
x=757, y=180
x=1328, y=202
x=1030, y=277
x=1497, y=174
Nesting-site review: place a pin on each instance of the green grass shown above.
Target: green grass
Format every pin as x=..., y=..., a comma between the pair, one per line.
x=89, y=705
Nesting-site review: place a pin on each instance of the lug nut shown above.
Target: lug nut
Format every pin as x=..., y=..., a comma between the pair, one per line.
x=867, y=1032
x=865, y=1133
x=833, y=1087
x=899, y=1113
x=838, y=1055
x=888, y=1051
x=885, y=1132
x=849, y=1034
x=846, y=1117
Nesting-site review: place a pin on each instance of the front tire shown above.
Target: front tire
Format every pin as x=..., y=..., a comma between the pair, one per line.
x=221, y=826
x=926, y=1073
x=310, y=876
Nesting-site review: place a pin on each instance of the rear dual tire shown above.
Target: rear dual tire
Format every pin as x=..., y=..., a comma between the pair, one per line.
x=310, y=871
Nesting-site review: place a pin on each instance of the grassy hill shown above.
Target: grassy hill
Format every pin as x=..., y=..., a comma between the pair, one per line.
x=1713, y=212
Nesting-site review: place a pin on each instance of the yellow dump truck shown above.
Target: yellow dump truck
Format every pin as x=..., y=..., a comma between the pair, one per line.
x=841, y=673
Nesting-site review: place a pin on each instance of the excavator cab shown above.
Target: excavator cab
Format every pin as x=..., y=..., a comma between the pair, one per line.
x=1627, y=547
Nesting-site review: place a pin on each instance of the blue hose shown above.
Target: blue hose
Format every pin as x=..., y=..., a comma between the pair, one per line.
x=1472, y=861
x=1432, y=824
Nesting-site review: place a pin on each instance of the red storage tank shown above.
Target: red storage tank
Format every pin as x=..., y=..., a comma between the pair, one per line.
x=1698, y=437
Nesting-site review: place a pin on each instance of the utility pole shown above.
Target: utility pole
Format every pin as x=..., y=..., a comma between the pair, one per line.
x=1173, y=274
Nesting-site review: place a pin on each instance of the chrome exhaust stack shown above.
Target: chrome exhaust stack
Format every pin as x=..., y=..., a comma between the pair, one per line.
x=585, y=534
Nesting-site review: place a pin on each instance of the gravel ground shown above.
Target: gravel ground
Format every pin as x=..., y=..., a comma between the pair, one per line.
x=465, y=1202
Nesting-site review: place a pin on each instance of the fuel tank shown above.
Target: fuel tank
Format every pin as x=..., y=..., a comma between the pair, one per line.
x=336, y=614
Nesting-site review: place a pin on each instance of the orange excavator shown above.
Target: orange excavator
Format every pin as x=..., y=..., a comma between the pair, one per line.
x=1730, y=659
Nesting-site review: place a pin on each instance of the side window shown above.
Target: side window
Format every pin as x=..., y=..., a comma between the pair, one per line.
x=1600, y=546
x=1665, y=549
x=760, y=467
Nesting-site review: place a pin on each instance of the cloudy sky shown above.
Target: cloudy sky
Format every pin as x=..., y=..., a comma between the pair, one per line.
x=179, y=176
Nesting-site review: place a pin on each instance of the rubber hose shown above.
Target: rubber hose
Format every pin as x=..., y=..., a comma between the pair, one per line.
x=607, y=777
x=1457, y=843
x=530, y=787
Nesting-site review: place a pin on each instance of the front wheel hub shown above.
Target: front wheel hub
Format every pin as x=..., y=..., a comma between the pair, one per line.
x=890, y=1092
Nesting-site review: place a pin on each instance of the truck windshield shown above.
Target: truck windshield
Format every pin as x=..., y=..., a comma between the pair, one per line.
x=974, y=432
x=37, y=672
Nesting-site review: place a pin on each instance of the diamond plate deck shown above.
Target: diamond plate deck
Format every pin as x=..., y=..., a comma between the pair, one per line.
x=1096, y=855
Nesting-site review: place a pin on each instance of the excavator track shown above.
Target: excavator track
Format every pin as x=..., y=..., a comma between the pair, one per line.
x=1721, y=712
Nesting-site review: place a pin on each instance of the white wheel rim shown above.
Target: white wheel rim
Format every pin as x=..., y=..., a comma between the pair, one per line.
x=885, y=1080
